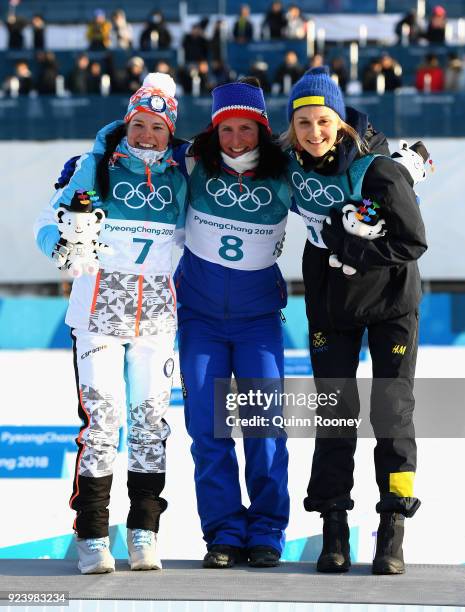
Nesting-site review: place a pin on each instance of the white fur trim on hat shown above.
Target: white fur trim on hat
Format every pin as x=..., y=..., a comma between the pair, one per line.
x=160, y=80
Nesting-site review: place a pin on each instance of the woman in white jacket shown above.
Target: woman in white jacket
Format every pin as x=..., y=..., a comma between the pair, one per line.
x=124, y=319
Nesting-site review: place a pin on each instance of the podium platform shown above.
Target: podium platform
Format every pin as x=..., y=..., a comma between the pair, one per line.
x=421, y=585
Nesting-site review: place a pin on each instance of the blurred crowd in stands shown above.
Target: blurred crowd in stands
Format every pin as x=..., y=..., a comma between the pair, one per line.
x=204, y=62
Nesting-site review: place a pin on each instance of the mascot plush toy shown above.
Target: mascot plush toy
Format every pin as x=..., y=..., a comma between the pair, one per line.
x=364, y=220
x=79, y=226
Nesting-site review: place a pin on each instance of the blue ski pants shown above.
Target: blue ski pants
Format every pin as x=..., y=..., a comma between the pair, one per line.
x=248, y=348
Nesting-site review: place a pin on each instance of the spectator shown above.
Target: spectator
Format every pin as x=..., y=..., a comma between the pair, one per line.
x=165, y=68
x=47, y=73
x=289, y=72
x=99, y=32
x=219, y=73
x=243, y=28
x=38, y=32
x=202, y=71
x=197, y=78
x=95, y=78
x=122, y=31
x=410, y=22
x=296, y=27
x=133, y=76
x=316, y=61
x=454, y=73
x=370, y=75
x=259, y=70
x=338, y=68
x=392, y=71
x=21, y=82
x=15, y=26
x=78, y=79
x=195, y=45
x=430, y=75
x=218, y=40
x=155, y=34
x=184, y=80
x=436, y=30
x=275, y=21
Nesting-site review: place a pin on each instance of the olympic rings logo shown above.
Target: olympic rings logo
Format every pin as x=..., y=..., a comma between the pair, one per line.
x=238, y=193
x=318, y=339
x=311, y=189
x=135, y=198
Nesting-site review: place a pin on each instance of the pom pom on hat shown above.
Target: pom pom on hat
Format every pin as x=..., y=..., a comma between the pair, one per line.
x=316, y=88
x=156, y=96
x=161, y=80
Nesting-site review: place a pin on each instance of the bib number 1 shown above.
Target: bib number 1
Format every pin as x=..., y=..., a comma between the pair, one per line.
x=312, y=231
x=231, y=249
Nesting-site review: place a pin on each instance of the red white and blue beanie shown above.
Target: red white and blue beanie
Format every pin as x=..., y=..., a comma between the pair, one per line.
x=156, y=96
x=316, y=88
x=238, y=100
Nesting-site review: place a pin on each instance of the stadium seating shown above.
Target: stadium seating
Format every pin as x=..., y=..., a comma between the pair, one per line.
x=70, y=11
x=397, y=115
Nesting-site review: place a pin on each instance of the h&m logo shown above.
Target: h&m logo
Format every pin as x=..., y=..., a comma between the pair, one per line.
x=399, y=349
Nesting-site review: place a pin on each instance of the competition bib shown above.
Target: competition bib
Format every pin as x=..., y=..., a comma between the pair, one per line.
x=139, y=223
x=235, y=221
x=315, y=194
x=234, y=244
x=138, y=247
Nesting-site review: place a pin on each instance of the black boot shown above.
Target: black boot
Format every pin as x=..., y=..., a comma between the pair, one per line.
x=221, y=556
x=263, y=556
x=335, y=556
x=389, y=557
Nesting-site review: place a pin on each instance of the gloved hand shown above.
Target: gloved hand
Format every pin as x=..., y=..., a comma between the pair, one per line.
x=66, y=172
x=333, y=233
x=62, y=253
x=71, y=257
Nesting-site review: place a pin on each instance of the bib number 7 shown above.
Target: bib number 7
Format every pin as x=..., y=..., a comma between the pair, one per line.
x=231, y=249
x=145, y=249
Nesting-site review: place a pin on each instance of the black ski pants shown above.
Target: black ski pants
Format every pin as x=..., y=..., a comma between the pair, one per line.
x=393, y=346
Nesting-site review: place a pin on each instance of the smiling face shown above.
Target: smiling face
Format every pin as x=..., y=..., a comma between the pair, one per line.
x=238, y=136
x=149, y=132
x=316, y=128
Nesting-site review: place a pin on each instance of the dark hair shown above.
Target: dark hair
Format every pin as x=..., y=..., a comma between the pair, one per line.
x=112, y=140
x=272, y=161
x=250, y=80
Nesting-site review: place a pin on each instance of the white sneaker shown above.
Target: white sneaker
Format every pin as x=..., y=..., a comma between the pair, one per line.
x=95, y=556
x=142, y=547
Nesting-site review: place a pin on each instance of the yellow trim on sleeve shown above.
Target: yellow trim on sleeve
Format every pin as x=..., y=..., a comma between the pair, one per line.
x=308, y=100
x=401, y=483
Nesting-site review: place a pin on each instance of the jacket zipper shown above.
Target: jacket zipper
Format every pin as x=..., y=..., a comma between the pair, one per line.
x=281, y=292
x=226, y=293
x=328, y=299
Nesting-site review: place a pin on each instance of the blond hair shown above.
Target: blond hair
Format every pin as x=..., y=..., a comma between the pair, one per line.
x=289, y=137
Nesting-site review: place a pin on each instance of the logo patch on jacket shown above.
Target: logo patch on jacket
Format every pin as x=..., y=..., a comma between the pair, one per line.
x=319, y=342
x=399, y=349
x=168, y=367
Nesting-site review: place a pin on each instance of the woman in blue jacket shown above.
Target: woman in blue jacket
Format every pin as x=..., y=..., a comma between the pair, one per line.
x=230, y=293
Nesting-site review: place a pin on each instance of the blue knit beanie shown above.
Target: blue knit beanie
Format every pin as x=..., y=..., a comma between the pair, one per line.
x=316, y=88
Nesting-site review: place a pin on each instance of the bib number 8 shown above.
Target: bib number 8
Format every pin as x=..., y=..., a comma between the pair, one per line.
x=231, y=250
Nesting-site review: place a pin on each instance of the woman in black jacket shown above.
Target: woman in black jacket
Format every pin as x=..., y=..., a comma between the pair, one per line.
x=335, y=160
